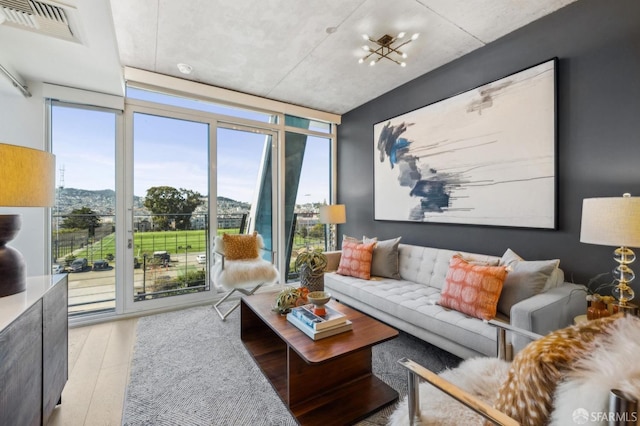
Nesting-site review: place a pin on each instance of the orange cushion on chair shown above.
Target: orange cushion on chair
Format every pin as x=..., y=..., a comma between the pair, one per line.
x=355, y=260
x=240, y=246
x=472, y=289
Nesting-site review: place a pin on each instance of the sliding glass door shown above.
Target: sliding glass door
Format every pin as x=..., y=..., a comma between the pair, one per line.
x=168, y=207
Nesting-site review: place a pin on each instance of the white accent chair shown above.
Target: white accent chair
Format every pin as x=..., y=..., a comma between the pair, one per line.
x=602, y=387
x=244, y=275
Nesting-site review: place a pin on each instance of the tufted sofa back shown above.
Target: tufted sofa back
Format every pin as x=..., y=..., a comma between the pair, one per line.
x=429, y=266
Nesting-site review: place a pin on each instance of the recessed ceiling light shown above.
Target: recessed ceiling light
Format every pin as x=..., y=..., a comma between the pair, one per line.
x=185, y=68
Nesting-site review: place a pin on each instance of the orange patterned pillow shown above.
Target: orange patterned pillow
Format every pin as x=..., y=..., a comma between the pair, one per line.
x=240, y=246
x=355, y=260
x=472, y=289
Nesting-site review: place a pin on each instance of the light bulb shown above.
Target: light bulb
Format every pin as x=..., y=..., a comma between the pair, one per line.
x=404, y=55
x=403, y=64
x=365, y=37
x=360, y=60
x=372, y=63
x=415, y=36
x=401, y=35
x=366, y=48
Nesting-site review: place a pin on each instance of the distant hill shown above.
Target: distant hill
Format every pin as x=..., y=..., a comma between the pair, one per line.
x=104, y=201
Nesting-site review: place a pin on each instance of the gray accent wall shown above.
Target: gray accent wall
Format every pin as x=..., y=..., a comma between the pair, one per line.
x=597, y=43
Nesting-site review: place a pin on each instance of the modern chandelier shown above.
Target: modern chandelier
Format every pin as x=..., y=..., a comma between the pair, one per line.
x=384, y=49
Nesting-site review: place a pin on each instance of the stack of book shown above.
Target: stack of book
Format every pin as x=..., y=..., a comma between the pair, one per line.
x=316, y=326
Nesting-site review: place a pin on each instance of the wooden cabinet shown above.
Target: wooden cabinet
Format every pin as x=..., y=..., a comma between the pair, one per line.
x=33, y=351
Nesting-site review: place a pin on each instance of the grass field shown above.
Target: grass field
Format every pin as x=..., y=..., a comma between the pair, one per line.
x=173, y=242
x=176, y=243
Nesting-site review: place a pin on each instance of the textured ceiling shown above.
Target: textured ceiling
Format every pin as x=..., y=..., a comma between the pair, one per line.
x=277, y=49
x=281, y=49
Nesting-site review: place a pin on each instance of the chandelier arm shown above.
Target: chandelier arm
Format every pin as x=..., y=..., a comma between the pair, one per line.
x=391, y=49
x=391, y=59
x=403, y=44
x=371, y=52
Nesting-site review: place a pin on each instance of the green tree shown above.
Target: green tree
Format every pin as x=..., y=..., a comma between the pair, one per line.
x=317, y=231
x=172, y=205
x=82, y=218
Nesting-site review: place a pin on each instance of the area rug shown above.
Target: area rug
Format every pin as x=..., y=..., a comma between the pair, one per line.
x=190, y=368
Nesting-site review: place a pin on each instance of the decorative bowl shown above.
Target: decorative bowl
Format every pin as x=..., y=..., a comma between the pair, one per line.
x=319, y=298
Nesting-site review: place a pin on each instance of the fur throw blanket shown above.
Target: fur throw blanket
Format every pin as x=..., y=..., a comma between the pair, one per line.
x=479, y=376
x=581, y=397
x=244, y=273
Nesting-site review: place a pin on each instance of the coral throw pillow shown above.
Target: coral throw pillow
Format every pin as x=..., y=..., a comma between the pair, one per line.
x=472, y=289
x=355, y=260
x=240, y=246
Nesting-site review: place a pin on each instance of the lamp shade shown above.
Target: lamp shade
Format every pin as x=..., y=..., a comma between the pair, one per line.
x=611, y=221
x=27, y=177
x=335, y=213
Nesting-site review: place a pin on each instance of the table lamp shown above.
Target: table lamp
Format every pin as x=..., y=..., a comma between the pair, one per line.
x=331, y=215
x=27, y=179
x=615, y=221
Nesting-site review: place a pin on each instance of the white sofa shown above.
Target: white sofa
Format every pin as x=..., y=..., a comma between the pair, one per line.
x=410, y=303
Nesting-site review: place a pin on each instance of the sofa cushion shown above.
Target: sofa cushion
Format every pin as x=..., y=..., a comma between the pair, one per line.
x=385, y=261
x=417, y=305
x=473, y=289
x=428, y=265
x=356, y=259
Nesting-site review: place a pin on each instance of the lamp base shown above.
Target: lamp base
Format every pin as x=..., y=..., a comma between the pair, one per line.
x=627, y=308
x=12, y=266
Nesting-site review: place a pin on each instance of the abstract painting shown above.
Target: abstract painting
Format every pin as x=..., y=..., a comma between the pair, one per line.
x=482, y=157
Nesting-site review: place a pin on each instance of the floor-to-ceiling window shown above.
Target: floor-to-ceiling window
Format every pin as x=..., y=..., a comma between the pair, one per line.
x=182, y=171
x=170, y=206
x=83, y=220
x=308, y=185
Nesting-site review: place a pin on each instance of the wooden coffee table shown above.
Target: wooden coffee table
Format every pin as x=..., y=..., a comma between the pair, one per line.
x=322, y=382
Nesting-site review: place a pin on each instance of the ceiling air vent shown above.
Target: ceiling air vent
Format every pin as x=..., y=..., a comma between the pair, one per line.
x=38, y=16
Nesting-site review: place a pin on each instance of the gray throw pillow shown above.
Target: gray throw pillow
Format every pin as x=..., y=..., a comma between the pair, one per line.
x=385, y=261
x=524, y=279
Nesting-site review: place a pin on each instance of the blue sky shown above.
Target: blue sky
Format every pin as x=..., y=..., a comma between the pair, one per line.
x=173, y=153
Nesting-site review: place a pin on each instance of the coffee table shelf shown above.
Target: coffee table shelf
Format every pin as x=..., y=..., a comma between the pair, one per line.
x=323, y=382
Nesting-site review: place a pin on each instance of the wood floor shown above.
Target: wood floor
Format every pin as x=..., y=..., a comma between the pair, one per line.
x=99, y=362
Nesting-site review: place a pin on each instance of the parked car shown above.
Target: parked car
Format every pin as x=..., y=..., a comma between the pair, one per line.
x=100, y=264
x=79, y=265
x=163, y=256
x=201, y=258
x=57, y=269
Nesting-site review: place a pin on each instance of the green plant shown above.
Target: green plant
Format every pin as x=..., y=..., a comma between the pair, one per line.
x=287, y=299
x=597, y=285
x=68, y=259
x=314, y=260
